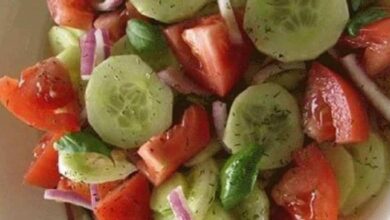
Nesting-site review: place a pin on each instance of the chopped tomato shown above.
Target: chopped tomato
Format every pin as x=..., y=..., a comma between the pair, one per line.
x=43, y=172
x=80, y=188
x=333, y=108
x=207, y=54
x=72, y=13
x=114, y=22
x=44, y=98
x=279, y=213
x=130, y=201
x=309, y=191
x=374, y=38
x=164, y=154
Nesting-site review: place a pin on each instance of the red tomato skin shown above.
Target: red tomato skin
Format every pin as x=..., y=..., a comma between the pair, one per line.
x=114, y=22
x=44, y=98
x=309, y=191
x=374, y=38
x=72, y=13
x=164, y=154
x=129, y=201
x=43, y=172
x=326, y=92
x=207, y=54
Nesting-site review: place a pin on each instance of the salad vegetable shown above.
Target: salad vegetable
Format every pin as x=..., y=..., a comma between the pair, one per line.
x=210, y=109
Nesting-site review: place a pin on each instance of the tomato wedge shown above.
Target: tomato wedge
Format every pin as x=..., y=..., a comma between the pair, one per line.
x=374, y=38
x=44, y=98
x=72, y=13
x=309, y=191
x=164, y=154
x=207, y=54
x=333, y=108
x=130, y=201
x=43, y=172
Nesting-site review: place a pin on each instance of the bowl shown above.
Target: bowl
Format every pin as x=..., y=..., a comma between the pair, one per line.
x=23, y=42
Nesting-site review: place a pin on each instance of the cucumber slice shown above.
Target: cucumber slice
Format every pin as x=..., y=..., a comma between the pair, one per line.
x=126, y=102
x=265, y=115
x=94, y=168
x=165, y=216
x=255, y=207
x=204, y=183
x=289, y=79
x=169, y=11
x=61, y=38
x=159, y=202
x=213, y=147
x=216, y=212
x=76, y=32
x=343, y=166
x=290, y=30
x=70, y=57
x=371, y=168
x=122, y=47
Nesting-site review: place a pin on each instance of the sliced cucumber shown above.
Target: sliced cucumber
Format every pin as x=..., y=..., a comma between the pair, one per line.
x=61, y=38
x=255, y=207
x=126, y=102
x=343, y=166
x=122, y=47
x=169, y=11
x=216, y=212
x=291, y=30
x=203, y=180
x=76, y=32
x=159, y=202
x=164, y=216
x=265, y=115
x=371, y=168
x=70, y=57
x=94, y=168
x=212, y=148
x=289, y=79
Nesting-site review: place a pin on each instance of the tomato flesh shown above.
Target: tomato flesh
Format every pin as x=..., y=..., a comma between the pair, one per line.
x=44, y=98
x=130, y=201
x=43, y=172
x=333, y=108
x=72, y=13
x=207, y=54
x=309, y=191
x=375, y=39
x=164, y=154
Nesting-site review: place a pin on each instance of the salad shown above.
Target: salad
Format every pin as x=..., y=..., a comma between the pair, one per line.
x=210, y=109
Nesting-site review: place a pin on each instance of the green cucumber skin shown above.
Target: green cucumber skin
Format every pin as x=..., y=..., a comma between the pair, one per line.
x=371, y=162
x=267, y=115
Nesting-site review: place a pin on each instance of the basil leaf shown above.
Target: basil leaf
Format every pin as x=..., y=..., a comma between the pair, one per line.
x=145, y=37
x=365, y=17
x=82, y=142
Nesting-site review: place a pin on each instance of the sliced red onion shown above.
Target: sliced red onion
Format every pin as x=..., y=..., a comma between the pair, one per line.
x=179, y=205
x=94, y=195
x=107, y=5
x=379, y=100
x=219, y=117
x=67, y=197
x=95, y=48
x=227, y=13
x=274, y=69
x=180, y=82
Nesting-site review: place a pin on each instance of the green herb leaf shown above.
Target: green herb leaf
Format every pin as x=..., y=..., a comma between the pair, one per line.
x=365, y=17
x=145, y=37
x=82, y=142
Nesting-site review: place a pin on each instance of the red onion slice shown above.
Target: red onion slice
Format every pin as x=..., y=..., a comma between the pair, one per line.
x=227, y=13
x=379, y=100
x=179, y=205
x=67, y=197
x=95, y=48
x=107, y=5
x=219, y=117
x=180, y=82
x=94, y=195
